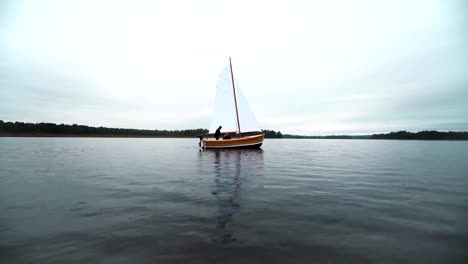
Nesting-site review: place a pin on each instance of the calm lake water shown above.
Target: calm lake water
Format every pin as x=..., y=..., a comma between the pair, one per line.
x=103, y=200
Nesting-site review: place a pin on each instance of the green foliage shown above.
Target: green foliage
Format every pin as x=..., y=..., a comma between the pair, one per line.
x=423, y=135
x=50, y=128
x=80, y=130
x=272, y=133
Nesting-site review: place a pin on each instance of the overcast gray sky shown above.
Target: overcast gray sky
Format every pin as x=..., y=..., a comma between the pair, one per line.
x=306, y=67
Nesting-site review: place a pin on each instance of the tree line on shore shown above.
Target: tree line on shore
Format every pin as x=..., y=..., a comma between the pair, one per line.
x=62, y=129
x=423, y=135
x=272, y=133
x=81, y=130
x=21, y=128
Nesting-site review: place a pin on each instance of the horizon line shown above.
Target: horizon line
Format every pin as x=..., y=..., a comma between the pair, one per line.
x=284, y=134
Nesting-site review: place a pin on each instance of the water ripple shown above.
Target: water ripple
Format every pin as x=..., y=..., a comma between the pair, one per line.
x=75, y=200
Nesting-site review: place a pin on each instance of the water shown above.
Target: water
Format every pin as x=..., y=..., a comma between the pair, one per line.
x=103, y=200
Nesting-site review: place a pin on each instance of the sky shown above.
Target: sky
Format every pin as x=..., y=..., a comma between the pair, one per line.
x=306, y=67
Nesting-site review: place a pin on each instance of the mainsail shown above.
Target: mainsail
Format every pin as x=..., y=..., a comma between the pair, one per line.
x=224, y=113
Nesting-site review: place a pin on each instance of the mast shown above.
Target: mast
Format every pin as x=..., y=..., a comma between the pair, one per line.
x=235, y=97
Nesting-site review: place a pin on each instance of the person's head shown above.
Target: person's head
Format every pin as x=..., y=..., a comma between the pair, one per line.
x=220, y=127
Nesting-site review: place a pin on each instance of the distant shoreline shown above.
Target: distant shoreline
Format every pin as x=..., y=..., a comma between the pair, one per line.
x=21, y=129
x=84, y=136
x=53, y=135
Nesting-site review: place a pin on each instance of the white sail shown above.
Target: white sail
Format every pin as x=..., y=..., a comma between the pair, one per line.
x=224, y=113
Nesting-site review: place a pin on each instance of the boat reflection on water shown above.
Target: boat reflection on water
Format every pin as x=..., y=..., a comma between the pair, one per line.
x=232, y=169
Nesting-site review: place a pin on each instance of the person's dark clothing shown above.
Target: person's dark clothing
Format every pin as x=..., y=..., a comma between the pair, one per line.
x=218, y=133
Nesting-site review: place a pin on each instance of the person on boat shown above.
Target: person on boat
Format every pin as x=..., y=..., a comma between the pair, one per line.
x=227, y=136
x=218, y=132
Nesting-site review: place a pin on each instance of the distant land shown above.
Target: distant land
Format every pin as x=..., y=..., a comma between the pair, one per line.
x=22, y=129
x=62, y=130
x=423, y=135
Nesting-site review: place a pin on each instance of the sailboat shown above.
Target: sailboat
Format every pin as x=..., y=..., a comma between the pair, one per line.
x=233, y=113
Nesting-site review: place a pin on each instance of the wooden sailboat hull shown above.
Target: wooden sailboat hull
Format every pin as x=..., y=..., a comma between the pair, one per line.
x=242, y=142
